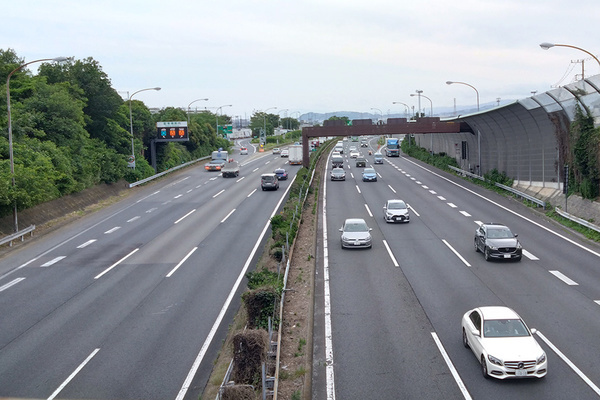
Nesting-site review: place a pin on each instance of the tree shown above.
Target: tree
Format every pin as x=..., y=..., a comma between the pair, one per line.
x=290, y=123
x=260, y=120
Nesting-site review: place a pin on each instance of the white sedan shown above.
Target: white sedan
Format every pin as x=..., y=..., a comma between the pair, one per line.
x=354, y=154
x=503, y=344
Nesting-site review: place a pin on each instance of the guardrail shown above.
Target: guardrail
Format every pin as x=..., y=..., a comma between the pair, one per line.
x=577, y=219
x=466, y=173
x=10, y=238
x=167, y=172
x=507, y=188
x=523, y=195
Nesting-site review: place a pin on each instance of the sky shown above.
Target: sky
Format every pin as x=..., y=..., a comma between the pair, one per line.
x=315, y=56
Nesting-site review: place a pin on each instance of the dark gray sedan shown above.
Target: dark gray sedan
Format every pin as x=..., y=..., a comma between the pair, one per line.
x=338, y=174
x=496, y=241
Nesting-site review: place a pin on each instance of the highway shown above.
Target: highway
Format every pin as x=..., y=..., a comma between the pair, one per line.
x=387, y=319
x=134, y=301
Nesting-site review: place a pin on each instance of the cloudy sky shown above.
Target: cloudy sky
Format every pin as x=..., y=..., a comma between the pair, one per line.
x=314, y=55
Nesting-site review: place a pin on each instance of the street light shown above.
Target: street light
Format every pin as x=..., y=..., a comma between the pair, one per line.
x=188, y=108
x=547, y=45
x=10, y=142
x=265, y=118
x=217, y=117
x=131, y=124
x=471, y=86
x=405, y=105
x=420, y=94
x=372, y=108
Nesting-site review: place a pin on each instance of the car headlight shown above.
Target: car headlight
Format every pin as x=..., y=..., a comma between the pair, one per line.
x=541, y=359
x=492, y=247
x=495, y=360
x=519, y=245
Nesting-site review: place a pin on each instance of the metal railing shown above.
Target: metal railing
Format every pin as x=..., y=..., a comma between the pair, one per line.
x=522, y=195
x=20, y=234
x=167, y=172
x=577, y=219
x=466, y=173
x=507, y=188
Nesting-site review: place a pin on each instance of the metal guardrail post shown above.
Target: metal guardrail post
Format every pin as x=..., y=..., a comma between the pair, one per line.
x=20, y=234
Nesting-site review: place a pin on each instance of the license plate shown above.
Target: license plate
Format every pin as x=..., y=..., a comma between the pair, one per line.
x=507, y=256
x=521, y=372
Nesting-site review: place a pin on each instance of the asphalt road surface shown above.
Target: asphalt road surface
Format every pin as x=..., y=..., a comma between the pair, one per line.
x=387, y=319
x=133, y=301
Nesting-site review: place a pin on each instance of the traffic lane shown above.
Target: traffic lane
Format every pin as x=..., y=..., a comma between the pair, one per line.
x=545, y=253
x=166, y=331
x=576, y=257
x=514, y=285
x=79, y=260
x=374, y=334
x=446, y=289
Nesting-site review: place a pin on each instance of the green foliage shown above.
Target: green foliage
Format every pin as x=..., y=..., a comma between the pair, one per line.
x=260, y=304
x=264, y=277
x=440, y=161
x=71, y=130
x=336, y=118
x=289, y=123
x=585, y=156
x=494, y=176
x=260, y=120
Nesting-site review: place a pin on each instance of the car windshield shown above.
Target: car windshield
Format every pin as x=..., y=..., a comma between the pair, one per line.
x=499, y=233
x=358, y=226
x=396, y=205
x=504, y=328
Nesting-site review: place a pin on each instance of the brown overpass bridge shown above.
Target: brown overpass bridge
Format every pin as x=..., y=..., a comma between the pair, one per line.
x=365, y=127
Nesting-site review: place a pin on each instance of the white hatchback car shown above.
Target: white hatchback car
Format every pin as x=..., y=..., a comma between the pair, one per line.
x=503, y=344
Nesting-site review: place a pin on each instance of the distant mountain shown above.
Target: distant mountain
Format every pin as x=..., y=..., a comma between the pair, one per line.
x=443, y=112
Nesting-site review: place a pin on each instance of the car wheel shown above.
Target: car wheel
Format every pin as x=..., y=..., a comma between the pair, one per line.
x=465, y=340
x=486, y=253
x=484, y=369
x=476, y=247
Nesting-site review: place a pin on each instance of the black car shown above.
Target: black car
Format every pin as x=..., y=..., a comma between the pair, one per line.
x=496, y=241
x=361, y=162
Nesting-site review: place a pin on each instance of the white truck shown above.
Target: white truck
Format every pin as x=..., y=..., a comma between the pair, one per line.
x=295, y=155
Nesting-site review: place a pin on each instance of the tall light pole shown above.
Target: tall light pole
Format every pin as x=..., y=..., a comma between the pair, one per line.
x=265, y=118
x=471, y=86
x=373, y=108
x=405, y=105
x=10, y=141
x=188, y=108
x=420, y=94
x=131, y=124
x=217, y=116
x=547, y=45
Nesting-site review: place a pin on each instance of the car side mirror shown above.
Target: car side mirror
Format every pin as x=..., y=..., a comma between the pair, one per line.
x=384, y=207
x=516, y=235
x=476, y=332
x=370, y=229
x=341, y=229
x=533, y=331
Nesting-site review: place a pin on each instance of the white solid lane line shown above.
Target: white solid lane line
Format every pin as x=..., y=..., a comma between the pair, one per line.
x=570, y=363
x=70, y=378
x=456, y=253
x=181, y=262
x=391, y=254
x=453, y=370
x=115, y=264
x=81, y=246
x=11, y=283
x=185, y=216
x=564, y=278
x=53, y=261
